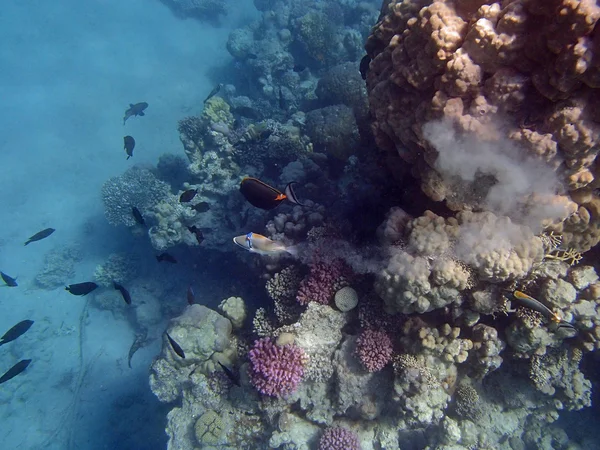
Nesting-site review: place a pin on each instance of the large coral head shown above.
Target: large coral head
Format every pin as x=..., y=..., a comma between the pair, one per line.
x=275, y=370
x=338, y=438
x=374, y=349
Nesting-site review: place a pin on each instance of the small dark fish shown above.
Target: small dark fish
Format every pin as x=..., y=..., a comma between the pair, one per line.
x=299, y=68
x=129, y=143
x=141, y=340
x=248, y=112
x=201, y=207
x=281, y=99
x=251, y=56
x=197, y=232
x=188, y=195
x=135, y=110
x=263, y=196
x=10, y=281
x=166, y=257
x=81, y=288
x=235, y=378
x=190, y=296
x=124, y=292
x=214, y=92
x=15, y=370
x=41, y=235
x=137, y=215
x=175, y=346
x=364, y=66
x=16, y=331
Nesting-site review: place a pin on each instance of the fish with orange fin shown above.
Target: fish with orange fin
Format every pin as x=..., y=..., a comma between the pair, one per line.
x=257, y=243
x=553, y=317
x=263, y=196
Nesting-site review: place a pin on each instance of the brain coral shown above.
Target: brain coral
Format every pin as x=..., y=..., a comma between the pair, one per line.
x=516, y=74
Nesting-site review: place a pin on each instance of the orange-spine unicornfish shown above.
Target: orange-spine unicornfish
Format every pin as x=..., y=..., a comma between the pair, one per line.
x=263, y=196
x=257, y=243
x=538, y=306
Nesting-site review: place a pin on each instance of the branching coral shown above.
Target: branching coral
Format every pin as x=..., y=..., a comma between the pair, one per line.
x=275, y=370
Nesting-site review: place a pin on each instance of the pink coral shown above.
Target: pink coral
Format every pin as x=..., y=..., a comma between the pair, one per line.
x=338, y=438
x=374, y=349
x=275, y=370
x=322, y=282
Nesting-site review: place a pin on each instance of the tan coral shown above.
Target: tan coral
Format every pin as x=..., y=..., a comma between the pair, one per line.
x=532, y=66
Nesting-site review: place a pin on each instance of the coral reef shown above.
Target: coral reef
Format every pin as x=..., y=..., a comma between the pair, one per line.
x=59, y=267
x=118, y=267
x=205, y=10
x=275, y=370
x=509, y=73
x=135, y=188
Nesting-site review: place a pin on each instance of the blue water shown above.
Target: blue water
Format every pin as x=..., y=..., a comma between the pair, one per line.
x=68, y=71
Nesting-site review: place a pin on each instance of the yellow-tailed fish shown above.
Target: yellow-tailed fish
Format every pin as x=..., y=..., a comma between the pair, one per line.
x=257, y=243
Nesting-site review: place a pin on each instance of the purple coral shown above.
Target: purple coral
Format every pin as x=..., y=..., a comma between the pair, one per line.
x=374, y=349
x=275, y=370
x=323, y=282
x=338, y=438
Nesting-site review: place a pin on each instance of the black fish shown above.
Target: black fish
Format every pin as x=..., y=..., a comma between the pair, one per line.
x=188, y=195
x=299, y=68
x=281, y=100
x=263, y=196
x=235, y=379
x=15, y=370
x=129, y=143
x=190, y=296
x=124, y=292
x=196, y=232
x=175, y=346
x=137, y=215
x=141, y=340
x=81, y=288
x=247, y=111
x=135, y=110
x=10, y=281
x=16, y=331
x=364, y=66
x=41, y=235
x=201, y=207
x=214, y=92
x=166, y=257
x=251, y=56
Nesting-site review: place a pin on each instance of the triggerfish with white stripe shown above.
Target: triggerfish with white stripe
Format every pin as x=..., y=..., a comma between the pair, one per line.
x=263, y=196
x=257, y=243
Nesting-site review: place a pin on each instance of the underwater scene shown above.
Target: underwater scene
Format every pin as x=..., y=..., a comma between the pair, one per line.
x=300, y=225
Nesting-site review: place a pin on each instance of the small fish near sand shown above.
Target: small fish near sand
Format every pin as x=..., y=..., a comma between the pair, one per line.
x=188, y=196
x=81, y=288
x=214, y=92
x=135, y=110
x=257, y=243
x=175, y=346
x=129, y=145
x=18, y=330
x=124, y=292
x=191, y=298
x=137, y=216
x=197, y=232
x=40, y=235
x=10, y=281
x=167, y=258
x=263, y=196
x=15, y=370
